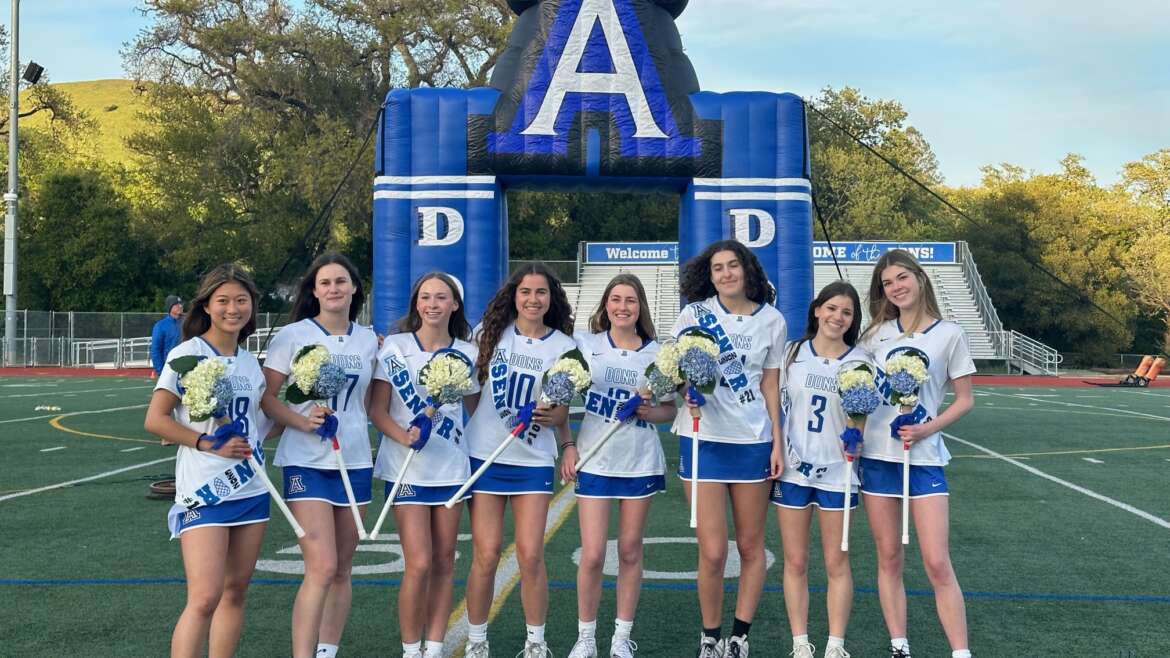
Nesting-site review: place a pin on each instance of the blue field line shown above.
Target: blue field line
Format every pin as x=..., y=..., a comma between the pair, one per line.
x=607, y=584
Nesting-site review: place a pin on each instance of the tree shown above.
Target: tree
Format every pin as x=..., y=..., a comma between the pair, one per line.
x=1076, y=232
x=79, y=250
x=861, y=197
x=259, y=107
x=1148, y=260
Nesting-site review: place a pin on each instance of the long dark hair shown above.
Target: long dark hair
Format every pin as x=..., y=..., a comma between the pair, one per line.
x=812, y=326
x=306, y=305
x=882, y=309
x=599, y=321
x=501, y=311
x=197, y=321
x=695, y=282
x=457, y=324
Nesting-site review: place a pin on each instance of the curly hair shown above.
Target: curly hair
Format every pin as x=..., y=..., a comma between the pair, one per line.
x=695, y=282
x=457, y=325
x=599, y=321
x=198, y=321
x=501, y=311
x=306, y=305
x=842, y=288
x=882, y=309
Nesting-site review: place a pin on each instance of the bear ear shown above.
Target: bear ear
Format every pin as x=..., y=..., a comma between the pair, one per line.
x=673, y=7
x=519, y=6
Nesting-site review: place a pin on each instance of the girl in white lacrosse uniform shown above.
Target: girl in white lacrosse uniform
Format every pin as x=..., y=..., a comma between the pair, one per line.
x=225, y=506
x=525, y=329
x=630, y=467
x=427, y=530
x=905, y=315
x=815, y=469
x=740, y=432
x=329, y=298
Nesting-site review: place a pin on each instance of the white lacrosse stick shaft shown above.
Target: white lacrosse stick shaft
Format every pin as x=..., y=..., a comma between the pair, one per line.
x=393, y=494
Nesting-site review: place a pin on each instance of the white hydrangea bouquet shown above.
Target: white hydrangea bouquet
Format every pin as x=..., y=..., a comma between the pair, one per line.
x=204, y=388
x=907, y=373
x=693, y=359
x=314, y=375
x=566, y=379
x=447, y=378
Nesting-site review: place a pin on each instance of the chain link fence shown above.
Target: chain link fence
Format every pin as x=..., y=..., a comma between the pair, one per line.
x=95, y=340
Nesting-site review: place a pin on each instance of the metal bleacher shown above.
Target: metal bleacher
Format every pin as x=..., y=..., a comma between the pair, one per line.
x=958, y=287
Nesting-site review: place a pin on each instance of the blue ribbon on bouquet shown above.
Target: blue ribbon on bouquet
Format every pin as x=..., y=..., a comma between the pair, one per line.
x=913, y=418
x=223, y=433
x=328, y=428
x=628, y=408
x=424, y=424
x=851, y=438
x=695, y=396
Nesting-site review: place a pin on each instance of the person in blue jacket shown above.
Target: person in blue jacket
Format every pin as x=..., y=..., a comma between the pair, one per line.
x=166, y=334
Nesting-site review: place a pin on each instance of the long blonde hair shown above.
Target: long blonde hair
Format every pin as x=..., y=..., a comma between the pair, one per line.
x=882, y=309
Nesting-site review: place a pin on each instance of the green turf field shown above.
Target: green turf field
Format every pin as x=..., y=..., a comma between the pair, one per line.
x=1059, y=535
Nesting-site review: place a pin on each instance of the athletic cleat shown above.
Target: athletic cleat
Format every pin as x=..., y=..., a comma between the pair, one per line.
x=623, y=648
x=536, y=650
x=836, y=652
x=584, y=648
x=899, y=653
x=438, y=654
x=709, y=647
x=737, y=647
x=477, y=650
x=805, y=650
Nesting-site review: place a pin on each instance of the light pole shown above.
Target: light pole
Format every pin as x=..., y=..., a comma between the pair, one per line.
x=10, y=196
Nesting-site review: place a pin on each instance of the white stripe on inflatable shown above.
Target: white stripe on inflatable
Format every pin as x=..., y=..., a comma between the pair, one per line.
x=753, y=196
x=434, y=180
x=753, y=182
x=435, y=194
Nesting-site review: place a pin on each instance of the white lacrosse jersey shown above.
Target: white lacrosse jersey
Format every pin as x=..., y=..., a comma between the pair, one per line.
x=735, y=412
x=945, y=346
x=814, y=419
x=443, y=461
x=193, y=468
x=354, y=352
x=514, y=378
x=634, y=450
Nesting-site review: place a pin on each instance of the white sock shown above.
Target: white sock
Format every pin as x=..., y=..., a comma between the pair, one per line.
x=326, y=650
x=961, y=653
x=586, y=629
x=798, y=640
x=900, y=643
x=411, y=648
x=622, y=629
x=433, y=649
x=536, y=633
x=835, y=642
x=477, y=632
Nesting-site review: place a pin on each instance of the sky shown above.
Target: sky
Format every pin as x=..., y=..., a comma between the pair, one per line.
x=985, y=81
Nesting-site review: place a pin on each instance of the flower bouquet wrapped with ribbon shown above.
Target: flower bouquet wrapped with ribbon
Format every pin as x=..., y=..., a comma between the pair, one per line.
x=447, y=379
x=207, y=394
x=565, y=380
x=693, y=360
x=906, y=372
x=316, y=378
x=859, y=399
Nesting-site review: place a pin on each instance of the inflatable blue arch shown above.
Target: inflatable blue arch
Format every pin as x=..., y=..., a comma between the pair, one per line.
x=589, y=95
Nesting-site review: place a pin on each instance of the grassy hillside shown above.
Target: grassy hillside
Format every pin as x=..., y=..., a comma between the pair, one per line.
x=112, y=104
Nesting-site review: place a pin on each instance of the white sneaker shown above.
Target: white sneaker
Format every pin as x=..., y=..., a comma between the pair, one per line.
x=836, y=652
x=412, y=654
x=804, y=650
x=536, y=650
x=622, y=648
x=586, y=647
x=477, y=650
x=709, y=647
x=737, y=647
